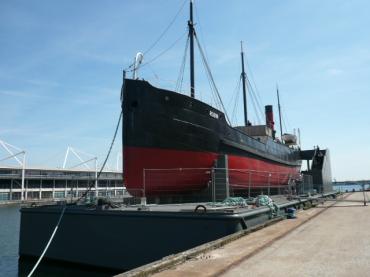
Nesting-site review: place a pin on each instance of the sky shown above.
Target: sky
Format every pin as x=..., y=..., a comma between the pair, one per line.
x=61, y=68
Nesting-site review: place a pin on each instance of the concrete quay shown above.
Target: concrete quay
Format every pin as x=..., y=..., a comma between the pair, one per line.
x=330, y=240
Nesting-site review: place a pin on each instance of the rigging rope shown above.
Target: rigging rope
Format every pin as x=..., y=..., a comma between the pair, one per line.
x=254, y=97
x=202, y=37
x=152, y=70
x=211, y=78
x=285, y=122
x=106, y=158
x=235, y=91
x=166, y=29
x=214, y=101
x=180, y=78
x=255, y=105
x=283, y=115
x=130, y=67
x=254, y=83
x=206, y=60
x=161, y=53
x=254, y=93
x=200, y=29
x=157, y=78
x=64, y=206
x=236, y=101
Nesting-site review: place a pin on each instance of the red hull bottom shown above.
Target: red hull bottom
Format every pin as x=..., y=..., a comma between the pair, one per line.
x=163, y=171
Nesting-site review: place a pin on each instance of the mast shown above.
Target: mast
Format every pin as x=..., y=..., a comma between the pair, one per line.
x=278, y=98
x=191, y=35
x=243, y=76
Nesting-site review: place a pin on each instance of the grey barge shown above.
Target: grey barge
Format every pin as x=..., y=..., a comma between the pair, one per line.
x=127, y=237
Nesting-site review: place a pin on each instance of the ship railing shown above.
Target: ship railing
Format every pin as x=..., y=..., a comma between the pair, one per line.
x=197, y=182
x=135, y=197
x=306, y=186
x=248, y=183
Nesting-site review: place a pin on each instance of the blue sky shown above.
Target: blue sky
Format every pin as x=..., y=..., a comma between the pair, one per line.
x=61, y=63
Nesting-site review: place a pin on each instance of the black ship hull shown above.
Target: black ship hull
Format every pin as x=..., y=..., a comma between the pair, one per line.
x=171, y=141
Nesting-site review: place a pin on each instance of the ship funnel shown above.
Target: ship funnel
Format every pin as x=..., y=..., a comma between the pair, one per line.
x=138, y=60
x=270, y=119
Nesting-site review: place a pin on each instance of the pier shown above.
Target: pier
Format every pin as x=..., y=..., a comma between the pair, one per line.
x=329, y=240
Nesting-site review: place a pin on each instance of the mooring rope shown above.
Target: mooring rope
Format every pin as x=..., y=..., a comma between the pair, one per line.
x=65, y=205
x=49, y=242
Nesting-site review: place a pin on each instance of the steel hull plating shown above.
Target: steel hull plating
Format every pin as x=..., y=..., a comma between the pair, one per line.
x=171, y=141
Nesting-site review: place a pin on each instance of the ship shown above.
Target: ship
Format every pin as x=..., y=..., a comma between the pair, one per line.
x=172, y=141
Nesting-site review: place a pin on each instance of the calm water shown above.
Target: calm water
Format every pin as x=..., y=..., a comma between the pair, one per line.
x=349, y=188
x=9, y=239
x=9, y=236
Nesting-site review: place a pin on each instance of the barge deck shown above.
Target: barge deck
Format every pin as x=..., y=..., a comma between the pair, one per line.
x=124, y=238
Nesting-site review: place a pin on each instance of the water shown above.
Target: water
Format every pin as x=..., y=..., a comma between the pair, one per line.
x=349, y=188
x=9, y=240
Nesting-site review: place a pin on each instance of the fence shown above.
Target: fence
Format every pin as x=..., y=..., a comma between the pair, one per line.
x=214, y=183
